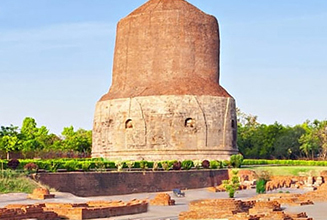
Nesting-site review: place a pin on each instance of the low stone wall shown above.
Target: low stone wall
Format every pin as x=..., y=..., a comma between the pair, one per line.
x=119, y=183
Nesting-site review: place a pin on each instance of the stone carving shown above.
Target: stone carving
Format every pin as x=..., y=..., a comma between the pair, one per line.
x=165, y=101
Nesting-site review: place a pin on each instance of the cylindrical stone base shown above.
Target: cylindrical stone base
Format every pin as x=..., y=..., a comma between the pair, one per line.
x=165, y=128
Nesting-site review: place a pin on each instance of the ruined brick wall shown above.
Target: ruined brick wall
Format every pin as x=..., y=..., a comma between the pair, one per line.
x=166, y=47
x=119, y=183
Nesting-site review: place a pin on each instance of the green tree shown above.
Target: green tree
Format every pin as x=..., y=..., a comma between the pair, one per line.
x=80, y=140
x=34, y=139
x=287, y=145
x=309, y=140
x=9, y=139
x=320, y=134
x=257, y=140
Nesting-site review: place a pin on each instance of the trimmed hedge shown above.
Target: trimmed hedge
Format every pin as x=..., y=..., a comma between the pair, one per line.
x=87, y=164
x=100, y=164
x=285, y=162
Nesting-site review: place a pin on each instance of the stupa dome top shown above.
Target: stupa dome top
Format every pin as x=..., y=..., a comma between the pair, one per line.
x=162, y=5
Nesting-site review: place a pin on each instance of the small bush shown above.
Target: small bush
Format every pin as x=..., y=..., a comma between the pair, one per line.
x=177, y=165
x=236, y=160
x=226, y=163
x=215, y=164
x=261, y=186
x=31, y=167
x=143, y=164
x=71, y=165
x=130, y=164
x=232, y=185
x=13, y=164
x=187, y=164
x=197, y=164
x=263, y=178
x=119, y=165
x=155, y=166
x=165, y=165
x=206, y=164
x=86, y=165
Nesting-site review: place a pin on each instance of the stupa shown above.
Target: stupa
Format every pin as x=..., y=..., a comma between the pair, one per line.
x=165, y=101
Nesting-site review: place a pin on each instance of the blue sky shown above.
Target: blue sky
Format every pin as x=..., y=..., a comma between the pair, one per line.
x=56, y=58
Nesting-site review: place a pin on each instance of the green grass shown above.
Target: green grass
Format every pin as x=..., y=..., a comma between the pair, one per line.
x=11, y=181
x=289, y=170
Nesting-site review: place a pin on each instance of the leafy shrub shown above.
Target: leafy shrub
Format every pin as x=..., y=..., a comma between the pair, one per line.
x=143, y=164
x=13, y=164
x=71, y=165
x=197, y=164
x=119, y=165
x=226, y=163
x=100, y=165
x=155, y=166
x=177, y=165
x=187, y=164
x=31, y=167
x=3, y=164
x=55, y=165
x=261, y=186
x=150, y=164
x=232, y=185
x=263, y=178
x=165, y=165
x=130, y=164
x=215, y=164
x=206, y=164
x=109, y=164
x=85, y=165
x=236, y=160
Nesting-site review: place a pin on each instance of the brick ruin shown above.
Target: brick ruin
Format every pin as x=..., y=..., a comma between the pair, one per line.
x=262, y=206
x=165, y=101
x=41, y=193
x=90, y=210
x=162, y=199
x=231, y=209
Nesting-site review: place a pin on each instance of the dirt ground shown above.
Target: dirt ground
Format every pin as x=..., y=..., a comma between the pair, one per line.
x=318, y=211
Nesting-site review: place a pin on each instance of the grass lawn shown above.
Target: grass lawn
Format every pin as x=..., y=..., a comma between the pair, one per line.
x=289, y=170
x=10, y=182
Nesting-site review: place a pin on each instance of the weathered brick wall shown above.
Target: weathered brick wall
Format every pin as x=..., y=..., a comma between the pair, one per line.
x=156, y=128
x=116, y=183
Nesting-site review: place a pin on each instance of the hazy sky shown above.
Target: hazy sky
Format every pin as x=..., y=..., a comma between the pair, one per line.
x=56, y=58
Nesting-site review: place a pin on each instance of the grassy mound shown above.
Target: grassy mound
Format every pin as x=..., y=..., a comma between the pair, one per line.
x=11, y=181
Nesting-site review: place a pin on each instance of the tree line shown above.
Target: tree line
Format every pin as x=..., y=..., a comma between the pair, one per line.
x=260, y=141
x=32, y=141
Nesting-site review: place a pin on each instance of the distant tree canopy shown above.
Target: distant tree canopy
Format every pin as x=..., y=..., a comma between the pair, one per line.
x=31, y=140
x=255, y=140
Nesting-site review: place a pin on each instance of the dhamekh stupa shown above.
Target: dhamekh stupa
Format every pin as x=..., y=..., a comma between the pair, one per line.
x=165, y=101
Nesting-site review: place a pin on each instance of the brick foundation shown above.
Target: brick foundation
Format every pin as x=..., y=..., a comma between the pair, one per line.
x=119, y=183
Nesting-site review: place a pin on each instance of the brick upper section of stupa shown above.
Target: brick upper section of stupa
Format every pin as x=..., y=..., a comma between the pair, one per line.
x=166, y=47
